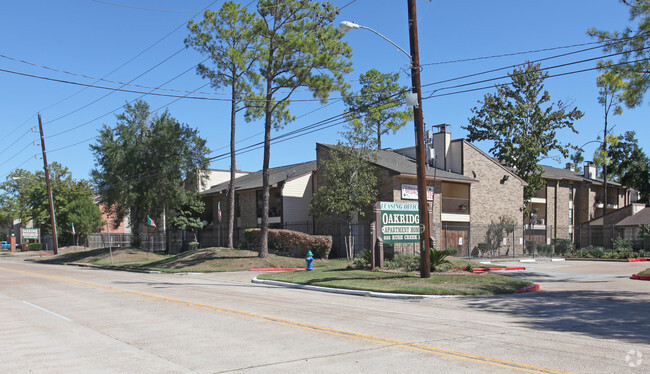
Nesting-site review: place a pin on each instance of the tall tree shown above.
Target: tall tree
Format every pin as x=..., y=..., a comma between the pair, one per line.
x=299, y=48
x=350, y=180
x=634, y=45
x=630, y=165
x=522, y=125
x=26, y=193
x=228, y=37
x=146, y=164
x=377, y=107
x=609, y=97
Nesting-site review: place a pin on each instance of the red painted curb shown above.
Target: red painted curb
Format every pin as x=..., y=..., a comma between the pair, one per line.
x=636, y=259
x=276, y=269
x=494, y=269
x=641, y=277
x=531, y=288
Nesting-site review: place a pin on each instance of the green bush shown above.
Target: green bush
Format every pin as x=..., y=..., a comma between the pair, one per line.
x=530, y=247
x=292, y=242
x=621, y=244
x=563, y=246
x=34, y=246
x=408, y=262
x=438, y=258
x=483, y=248
x=590, y=251
x=543, y=249
x=136, y=242
x=193, y=245
x=364, y=261
x=452, y=251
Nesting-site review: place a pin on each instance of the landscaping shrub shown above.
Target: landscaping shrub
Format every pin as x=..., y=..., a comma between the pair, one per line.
x=364, y=261
x=408, y=262
x=530, y=247
x=34, y=246
x=563, y=246
x=621, y=244
x=543, y=249
x=291, y=242
x=590, y=251
x=438, y=258
x=483, y=248
x=452, y=251
x=136, y=242
x=193, y=245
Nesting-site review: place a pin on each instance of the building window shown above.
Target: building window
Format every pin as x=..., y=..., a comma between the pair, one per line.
x=275, y=203
x=570, y=192
x=571, y=216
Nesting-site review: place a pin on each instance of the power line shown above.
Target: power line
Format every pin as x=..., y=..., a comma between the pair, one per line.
x=433, y=95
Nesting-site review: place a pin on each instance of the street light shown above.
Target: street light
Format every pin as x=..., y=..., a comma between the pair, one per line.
x=418, y=123
x=55, y=246
x=347, y=26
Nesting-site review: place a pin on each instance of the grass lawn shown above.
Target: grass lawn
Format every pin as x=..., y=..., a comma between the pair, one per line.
x=200, y=260
x=645, y=272
x=450, y=283
x=327, y=273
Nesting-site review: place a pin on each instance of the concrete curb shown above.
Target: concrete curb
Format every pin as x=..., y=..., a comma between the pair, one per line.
x=349, y=292
x=276, y=269
x=494, y=269
x=531, y=288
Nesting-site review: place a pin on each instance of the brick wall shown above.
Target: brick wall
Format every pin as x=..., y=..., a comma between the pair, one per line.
x=489, y=198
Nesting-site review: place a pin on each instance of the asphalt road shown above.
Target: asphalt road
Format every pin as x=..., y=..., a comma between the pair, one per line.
x=588, y=318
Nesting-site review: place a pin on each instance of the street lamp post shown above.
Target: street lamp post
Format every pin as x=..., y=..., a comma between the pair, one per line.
x=414, y=56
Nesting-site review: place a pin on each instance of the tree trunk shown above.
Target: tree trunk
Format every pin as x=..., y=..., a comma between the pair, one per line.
x=231, y=185
x=264, y=232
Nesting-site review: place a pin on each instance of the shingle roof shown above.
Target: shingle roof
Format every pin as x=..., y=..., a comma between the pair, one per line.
x=551, y=172
x=406, y=165
x=641, y=218
x=276, y=175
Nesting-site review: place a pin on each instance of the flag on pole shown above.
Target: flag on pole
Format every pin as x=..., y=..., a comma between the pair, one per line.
x=73, y=232
x=150, y=222
x=219, y=210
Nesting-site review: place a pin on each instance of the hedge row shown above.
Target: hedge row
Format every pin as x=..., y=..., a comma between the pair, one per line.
x=293, y=242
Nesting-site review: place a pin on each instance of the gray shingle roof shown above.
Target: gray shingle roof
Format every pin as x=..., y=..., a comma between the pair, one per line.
x=551, y=172
x=641, y=218
x=276, y=175
x=406, y=165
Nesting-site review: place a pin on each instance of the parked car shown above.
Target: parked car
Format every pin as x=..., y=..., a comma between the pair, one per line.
x=6, y=245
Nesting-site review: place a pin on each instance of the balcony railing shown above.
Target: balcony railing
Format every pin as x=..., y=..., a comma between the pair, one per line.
x=455, y=205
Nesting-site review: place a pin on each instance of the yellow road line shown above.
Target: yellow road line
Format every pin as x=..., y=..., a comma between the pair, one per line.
x=348, y=334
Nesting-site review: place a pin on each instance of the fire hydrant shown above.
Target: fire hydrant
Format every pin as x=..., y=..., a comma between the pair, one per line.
x=310, y=261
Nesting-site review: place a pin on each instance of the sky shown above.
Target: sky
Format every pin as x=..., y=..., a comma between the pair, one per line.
x=140, y=42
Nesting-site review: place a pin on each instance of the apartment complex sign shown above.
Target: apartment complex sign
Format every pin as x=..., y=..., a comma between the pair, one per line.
x=28, y=233
x=399, y=222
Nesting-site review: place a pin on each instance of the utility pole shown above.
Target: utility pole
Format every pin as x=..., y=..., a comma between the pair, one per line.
x=425, y=262
x=49, y=187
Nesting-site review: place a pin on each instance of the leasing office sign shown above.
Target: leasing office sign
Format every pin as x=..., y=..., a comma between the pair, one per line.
x=399, y=222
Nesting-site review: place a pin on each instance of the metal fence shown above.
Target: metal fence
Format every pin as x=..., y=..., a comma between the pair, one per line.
x=153, y=242
x=605, y=236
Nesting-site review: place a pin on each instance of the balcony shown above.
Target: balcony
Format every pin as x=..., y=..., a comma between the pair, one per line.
x=455, y=209
x=455, y=205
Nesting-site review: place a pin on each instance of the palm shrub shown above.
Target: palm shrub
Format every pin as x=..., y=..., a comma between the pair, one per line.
x=438, y=258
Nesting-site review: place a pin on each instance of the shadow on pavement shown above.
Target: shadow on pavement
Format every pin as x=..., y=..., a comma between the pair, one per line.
x=599, y=314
